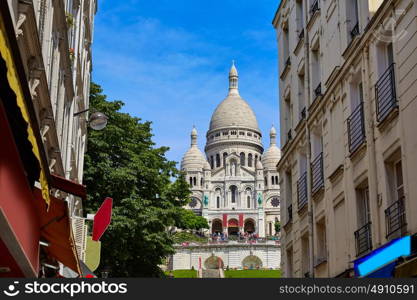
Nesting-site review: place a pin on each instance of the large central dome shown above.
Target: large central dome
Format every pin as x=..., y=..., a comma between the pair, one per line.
x=233, y=111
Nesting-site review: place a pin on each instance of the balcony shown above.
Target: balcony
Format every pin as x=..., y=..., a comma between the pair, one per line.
x=356, y=129
x=317, y=174
x=355, y=31
x=395, y=218
x=315, y=7
x=385, y=92
x=363, y=239
x=302, y=191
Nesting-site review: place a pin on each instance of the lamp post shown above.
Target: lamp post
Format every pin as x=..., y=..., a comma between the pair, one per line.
x=97, y=120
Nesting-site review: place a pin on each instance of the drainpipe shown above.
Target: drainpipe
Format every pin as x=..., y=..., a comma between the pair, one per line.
x=374, y=200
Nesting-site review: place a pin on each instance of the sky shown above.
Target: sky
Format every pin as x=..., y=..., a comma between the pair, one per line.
x=168, y=60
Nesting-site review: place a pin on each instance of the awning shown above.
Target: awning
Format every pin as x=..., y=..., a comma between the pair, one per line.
x=56, y=230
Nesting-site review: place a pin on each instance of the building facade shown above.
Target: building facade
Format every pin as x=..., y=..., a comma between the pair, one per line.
x=347, y=105
x=235, y=185
x=53, y=47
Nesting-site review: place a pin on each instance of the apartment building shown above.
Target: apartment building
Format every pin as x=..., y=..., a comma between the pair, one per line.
x=349, y=151
x=47, y=44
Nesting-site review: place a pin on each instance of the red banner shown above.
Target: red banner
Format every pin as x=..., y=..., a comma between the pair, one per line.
x=240, y=220
x=224, y=220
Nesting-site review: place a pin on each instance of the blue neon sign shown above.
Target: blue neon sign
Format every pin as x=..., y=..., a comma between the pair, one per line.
x=382, y=256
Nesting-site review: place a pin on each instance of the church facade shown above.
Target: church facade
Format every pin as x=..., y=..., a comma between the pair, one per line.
x=235, y=184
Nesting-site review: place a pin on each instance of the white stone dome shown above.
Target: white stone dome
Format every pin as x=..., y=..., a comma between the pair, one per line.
x=233, y=111
x=272, y=155
x=193, y=158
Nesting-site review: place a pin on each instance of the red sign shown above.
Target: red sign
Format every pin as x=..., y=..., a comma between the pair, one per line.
x=102, y=219
x=225, y=220
x=232, y=223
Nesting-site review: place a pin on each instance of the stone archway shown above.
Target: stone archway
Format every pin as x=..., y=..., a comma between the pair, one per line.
x=252, y=262
x=232, y=227
x=216, y=226
x=213, y=262
x=249, y=226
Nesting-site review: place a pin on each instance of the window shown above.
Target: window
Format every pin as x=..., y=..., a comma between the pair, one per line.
x=276, y=179
x=316, y=72
x=256, y=159
x=241, y=133
x=270, y=228
x=299, y=15
x=248, y=197
x=201, y=181
x=224, y=158
x=250, y=158
x=191, y=181
x=273, y=180
x=218, y=201
x=399, y=183
x=211, y=162
x=305, y=254
x=266, y=181
x=364, y=214
x=301, y=97
x=289, y=264
x=217, y=160
x=242, y=159
x=352, y=7
x=195, y=181
x=321, y=241
x=233, y=191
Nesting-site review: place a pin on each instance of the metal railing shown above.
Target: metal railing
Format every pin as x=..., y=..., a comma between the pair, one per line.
x=356, y=128
x=317, y=91
x=302, y=191
x=317, y=173
x=385, y=94
x=363, y=239
x=395, y=218
x=315, y=7
x=355, y=30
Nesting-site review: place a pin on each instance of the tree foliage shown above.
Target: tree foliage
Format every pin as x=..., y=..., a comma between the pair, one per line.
x=148, y=192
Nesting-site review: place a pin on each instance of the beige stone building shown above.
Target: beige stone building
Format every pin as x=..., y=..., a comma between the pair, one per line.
x=54, y=39
x=348, y=72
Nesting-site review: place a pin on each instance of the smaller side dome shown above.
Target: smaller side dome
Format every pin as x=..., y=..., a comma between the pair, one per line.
x=272, y=156
x=193, y=158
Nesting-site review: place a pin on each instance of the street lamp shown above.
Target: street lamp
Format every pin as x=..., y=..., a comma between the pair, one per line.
x=97, y=120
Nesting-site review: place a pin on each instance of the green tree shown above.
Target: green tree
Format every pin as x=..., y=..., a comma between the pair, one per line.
x=148, y=192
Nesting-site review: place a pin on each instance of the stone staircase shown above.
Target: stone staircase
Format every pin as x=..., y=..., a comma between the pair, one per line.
x=211, y=273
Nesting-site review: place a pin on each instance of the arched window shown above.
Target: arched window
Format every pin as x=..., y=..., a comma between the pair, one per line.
x=266, y=181
x=276, y=179
x=201, y=182
x=242, y=159
x=256, y=160
x=248, y=197
x=250, y=158
x=217, y=160
x=273, y=180
x=218, y=201
x=211, y=162
x=224, y=159
x=233, y=191
x=195, y=181
x=191, y=181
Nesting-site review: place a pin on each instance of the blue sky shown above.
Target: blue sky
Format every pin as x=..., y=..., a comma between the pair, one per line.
x=168, y=60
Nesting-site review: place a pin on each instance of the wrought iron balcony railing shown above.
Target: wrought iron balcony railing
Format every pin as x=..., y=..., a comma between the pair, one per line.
x=317, y=173
x=356, y=128
x=385, y=92
x=395, y=218
x=317, y=91
x=355, y=30
x=302, y=191
x=315, y=7
x=363, y=239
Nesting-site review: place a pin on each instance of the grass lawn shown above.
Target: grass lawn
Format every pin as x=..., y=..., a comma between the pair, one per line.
x=184, y=273
x=252, y=274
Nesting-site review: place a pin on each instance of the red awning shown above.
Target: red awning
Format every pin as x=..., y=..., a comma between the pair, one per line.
x=68, y=186
x=56, y=230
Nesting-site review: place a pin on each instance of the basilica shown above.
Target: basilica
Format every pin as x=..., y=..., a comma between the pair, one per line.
x=235, y=185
